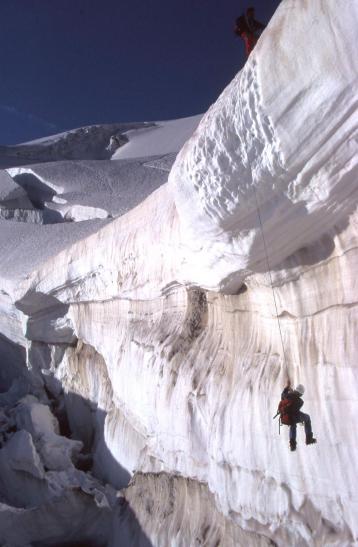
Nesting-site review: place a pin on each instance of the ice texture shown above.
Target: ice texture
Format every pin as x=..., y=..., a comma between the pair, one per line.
x=279, y=143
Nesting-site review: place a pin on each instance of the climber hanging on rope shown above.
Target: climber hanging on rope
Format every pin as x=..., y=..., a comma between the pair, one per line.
x=290, y=414
x=291, y=401
x=247, y=27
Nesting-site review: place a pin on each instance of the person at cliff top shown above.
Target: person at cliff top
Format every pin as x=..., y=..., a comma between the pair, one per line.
x=292, y=400
x=247, y=27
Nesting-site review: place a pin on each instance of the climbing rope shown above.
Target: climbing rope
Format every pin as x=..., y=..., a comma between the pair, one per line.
x=241, y=109
x=270, y=276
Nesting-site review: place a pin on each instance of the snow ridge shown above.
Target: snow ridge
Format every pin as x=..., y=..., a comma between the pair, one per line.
x=258, y=145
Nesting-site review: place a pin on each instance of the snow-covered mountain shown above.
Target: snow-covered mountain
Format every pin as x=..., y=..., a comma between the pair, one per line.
x=82, y=143
x=160, y=283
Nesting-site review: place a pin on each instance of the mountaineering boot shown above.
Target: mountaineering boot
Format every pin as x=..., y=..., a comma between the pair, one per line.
x=293, y=445
x=310, y=439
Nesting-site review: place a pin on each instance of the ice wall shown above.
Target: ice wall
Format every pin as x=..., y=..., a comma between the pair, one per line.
x=281, y=140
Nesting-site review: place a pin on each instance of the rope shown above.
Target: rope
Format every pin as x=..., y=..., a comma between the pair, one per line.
x=270, y=276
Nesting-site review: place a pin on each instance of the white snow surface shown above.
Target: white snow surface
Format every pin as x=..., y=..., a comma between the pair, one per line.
x=280, y=142
x=155, y=331
x=99, y=188
x=25, y=246
x=166, y=137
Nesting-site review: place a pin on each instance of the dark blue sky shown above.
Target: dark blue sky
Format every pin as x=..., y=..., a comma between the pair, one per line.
x=67, y=63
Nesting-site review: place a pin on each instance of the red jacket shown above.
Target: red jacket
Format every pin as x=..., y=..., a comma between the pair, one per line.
x=296, y=402
x=246, y=25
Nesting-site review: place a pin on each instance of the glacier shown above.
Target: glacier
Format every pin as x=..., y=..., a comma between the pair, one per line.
x=156, y=298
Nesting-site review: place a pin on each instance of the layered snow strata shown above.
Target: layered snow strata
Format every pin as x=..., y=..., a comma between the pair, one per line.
x=278, y=147
x=190, y=382
x=172, y=510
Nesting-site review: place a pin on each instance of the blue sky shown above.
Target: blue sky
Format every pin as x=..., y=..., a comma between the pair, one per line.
x=68, y=63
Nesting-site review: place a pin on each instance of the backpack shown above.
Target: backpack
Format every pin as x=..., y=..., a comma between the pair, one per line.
x=284, y=411
x=240, y=25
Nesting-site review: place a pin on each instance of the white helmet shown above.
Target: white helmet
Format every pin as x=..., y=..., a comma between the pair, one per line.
x=300, y=388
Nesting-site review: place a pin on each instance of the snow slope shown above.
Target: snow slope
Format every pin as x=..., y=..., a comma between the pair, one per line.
x=87, y=189
x=154, y=337
x=82, y=143
x=81, y=189
x=163, y=138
